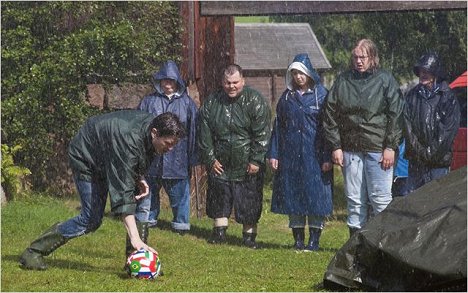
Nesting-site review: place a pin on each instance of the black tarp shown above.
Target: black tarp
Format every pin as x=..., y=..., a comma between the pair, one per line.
x=418, y=243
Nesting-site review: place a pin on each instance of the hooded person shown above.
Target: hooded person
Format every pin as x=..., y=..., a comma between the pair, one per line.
x=172, y=170
x=301, y=161
x=432, y=116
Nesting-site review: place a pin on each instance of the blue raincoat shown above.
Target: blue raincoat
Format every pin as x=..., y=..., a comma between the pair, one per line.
x=299, y=186
x=176, y=163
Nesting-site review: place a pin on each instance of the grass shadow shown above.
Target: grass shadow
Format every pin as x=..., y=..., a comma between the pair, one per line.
x=205, y=234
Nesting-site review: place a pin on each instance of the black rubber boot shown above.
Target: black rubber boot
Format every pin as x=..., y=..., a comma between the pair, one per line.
x=313, y=244
x=249, y=240
x=299, y=236
x=143, y=231
x=50, y=240
x=218, y=236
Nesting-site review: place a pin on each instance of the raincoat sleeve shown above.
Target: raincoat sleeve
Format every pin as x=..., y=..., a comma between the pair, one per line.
x=448, y=128
x=412, y=141
x=394, y=112
x=204, y=135
x=323, y=145
x=260, y=130
x=273, y=148
x=331, y=127
x=192, y=135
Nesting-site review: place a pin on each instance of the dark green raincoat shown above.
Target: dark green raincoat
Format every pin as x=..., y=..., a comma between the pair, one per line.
x=117, y=148
x=235, y=132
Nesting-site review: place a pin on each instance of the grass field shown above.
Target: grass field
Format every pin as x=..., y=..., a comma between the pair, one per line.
x=94, y=262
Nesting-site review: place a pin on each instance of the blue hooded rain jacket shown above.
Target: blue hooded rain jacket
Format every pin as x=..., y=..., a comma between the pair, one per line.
x=300, y=187
x=175, y=164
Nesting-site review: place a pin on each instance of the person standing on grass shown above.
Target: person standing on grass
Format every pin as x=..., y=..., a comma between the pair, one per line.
x=432, y=116
x=302, y=185
x=234, y=130
x=109, y=154
x=171, y=170
x=363, y=124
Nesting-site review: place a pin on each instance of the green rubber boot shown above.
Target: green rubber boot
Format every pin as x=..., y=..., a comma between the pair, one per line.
x=143, y=231
x=33, y=257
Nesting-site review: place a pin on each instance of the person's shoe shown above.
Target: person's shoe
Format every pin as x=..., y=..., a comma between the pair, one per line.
x=152, y=224
x=249, y=240
x=32, y=260
x=33, y=257
x=218, y=235
x=299, y=235
x=313, y=244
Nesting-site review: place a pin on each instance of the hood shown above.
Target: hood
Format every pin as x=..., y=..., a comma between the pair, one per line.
x=169, y=70
x=431, y=62
x=302, y=63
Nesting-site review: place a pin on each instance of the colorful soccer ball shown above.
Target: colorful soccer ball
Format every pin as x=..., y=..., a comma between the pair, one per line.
x=143, y=264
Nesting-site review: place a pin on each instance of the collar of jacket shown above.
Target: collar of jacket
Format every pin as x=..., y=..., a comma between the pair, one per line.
x=363, y=75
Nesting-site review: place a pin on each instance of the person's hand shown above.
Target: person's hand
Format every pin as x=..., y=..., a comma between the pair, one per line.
x=337, y=157
x=273, y=164
x=139, y=244
x=388, y=159
x=252, y=169
x=144, y=189
x=217, y=167
x=132, y=231
x=327, y=166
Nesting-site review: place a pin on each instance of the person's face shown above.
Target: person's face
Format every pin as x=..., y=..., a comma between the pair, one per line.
x=361, y=61
x=169, y=86
x=426, y=78
x=300, y=78
x=233, y=85
x=163, y=144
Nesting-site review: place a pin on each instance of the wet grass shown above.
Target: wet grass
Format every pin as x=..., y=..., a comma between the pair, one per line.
x=94, y=262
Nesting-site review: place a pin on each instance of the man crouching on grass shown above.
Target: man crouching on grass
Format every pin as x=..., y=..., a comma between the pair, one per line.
x=109, y=154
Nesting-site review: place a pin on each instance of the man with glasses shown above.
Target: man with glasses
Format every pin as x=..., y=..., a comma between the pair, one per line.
x=363, y=124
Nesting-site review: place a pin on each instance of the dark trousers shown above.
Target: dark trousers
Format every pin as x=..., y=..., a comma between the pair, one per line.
x=245, y=196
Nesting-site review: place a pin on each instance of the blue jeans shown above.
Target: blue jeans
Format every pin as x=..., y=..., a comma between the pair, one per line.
x=419, y=174
x=93, y=196
x=367, y=186
x=298, y=221
x=178, y=191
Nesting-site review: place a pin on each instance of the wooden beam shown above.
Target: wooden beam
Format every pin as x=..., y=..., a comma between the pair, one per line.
x=242, y=8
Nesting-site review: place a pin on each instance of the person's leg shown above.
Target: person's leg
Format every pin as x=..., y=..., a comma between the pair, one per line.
x=248, y=196
x=178, y=191
x=355, y=190
x=416, y=175
x=379, y=182
x=316, y=224
x=218, y=207
x=155, y=187
x=297, y=225
x=437, y=173
x=93, y=197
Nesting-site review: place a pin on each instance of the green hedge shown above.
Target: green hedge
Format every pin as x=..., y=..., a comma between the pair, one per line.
x=52, y=50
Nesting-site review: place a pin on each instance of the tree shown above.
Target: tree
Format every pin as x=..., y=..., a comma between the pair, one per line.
x=52, y=50
x=401, y=38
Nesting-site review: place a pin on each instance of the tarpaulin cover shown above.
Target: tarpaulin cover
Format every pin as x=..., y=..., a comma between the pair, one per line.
x=418, y=243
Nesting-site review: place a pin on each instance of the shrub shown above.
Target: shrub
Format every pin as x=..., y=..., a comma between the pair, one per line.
x=13, y=176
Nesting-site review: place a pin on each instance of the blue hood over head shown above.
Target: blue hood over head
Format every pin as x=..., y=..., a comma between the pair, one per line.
x=169, y=70
x=302, y=63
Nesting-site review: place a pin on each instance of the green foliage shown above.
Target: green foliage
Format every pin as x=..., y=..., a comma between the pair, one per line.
x=13, y=176
x=52, y=50
x=401, y=37
x=189, y=263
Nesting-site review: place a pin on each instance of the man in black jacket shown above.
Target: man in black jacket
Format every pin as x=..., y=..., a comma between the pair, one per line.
x=432, y=117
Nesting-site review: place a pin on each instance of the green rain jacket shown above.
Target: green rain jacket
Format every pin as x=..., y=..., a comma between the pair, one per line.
x=235, y=132
x=115, y=148
x=363, y=112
